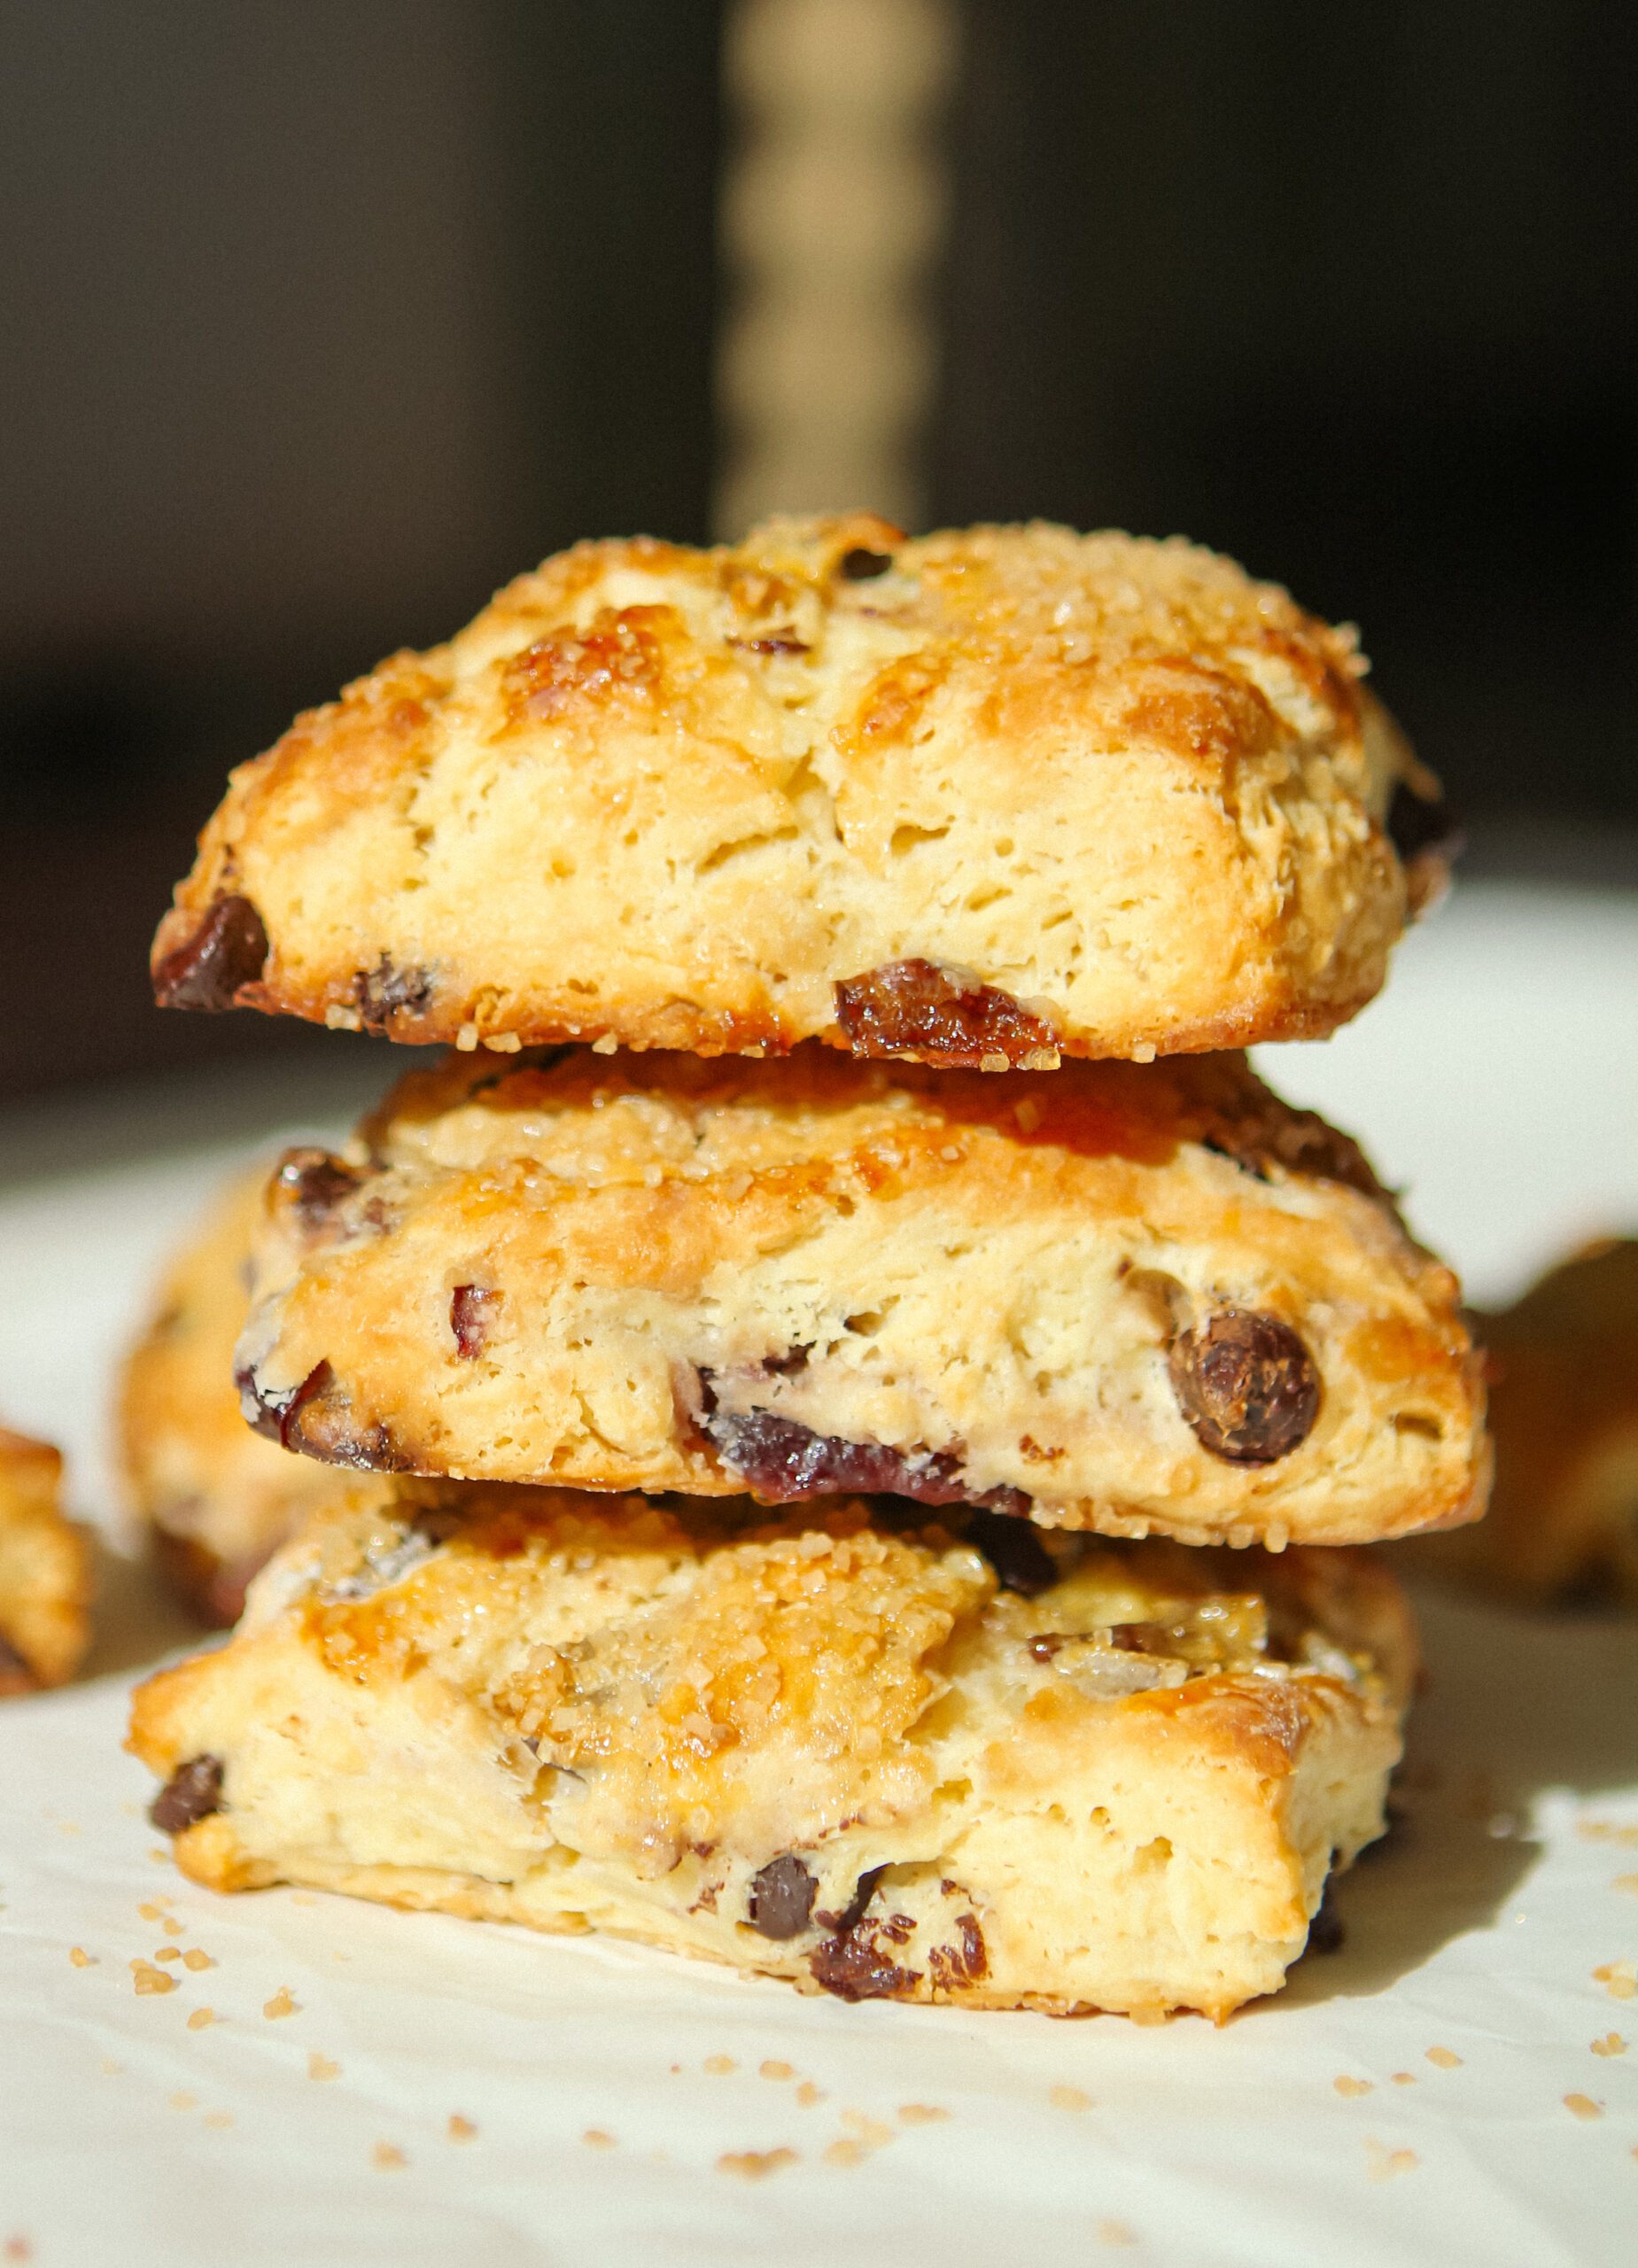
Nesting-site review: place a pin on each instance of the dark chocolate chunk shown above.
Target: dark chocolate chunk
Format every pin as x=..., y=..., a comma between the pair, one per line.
x=315, y=1182
x=853, y=1912
x=470, y=1309
x=1418, y=825
x=276, y=1414
x=964, y=1963
x=856, y=1968
x=781, y=1898
x=862, y=565
x=915, y=1007
x=384, y=993
x=1247, y=1386
x=228, y=950
x=1015, y=1550
x=192, y=1792
x=783, y=1463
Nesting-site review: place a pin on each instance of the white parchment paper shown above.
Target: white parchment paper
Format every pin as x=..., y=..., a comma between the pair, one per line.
x=1454, y=2085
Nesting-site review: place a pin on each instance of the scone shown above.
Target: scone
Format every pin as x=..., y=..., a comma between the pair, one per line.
x=45, y=1571
x=1139, y=1299
x=215, y=1497
x=837, y=1748
x=976, y=797
x=1564, y=1404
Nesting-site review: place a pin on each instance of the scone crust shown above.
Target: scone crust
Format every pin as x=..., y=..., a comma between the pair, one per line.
x=688, y=1724
x=638, y=1272
x=215, y=1497
x=45, y=1571
x=1112, y=793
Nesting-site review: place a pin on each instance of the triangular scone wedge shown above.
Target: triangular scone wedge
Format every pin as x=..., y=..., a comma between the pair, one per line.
x=977, y=797
x=836, y=1750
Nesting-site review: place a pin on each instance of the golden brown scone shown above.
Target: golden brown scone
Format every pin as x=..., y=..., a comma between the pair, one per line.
x=216, y=1497
x=1563, y=1411
x=977, y=797
x=831, y=1748
x=45, y=1571
x=1133, y=1298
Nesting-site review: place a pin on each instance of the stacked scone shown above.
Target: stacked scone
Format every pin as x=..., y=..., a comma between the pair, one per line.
x=845, y=1410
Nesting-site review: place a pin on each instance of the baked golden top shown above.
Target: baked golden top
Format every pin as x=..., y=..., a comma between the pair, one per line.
x=979, y=797
x=1138, y=1298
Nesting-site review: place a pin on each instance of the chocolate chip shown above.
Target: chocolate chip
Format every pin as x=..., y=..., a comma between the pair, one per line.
x=914, y=1007
x=384, y=993
x=470, y=1310
x=1015, y=1550
x=862, y=565
x=1420, y=825
x=276, y=1414
x=227, y=950
x=855, y=1968
x=781, y=1898
x=784, y=1463
x=192, y=1792
x=316, y=1183
x=965, y=1963
x=853, y=1913
x=1247, y=1386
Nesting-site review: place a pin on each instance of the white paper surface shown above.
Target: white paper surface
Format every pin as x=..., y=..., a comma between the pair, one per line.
x=1501, y=1078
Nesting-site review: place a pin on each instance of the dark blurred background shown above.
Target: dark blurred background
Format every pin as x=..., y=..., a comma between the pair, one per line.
x=320, y=323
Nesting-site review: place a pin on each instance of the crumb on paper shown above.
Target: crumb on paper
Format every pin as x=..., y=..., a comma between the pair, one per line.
x=20, y=2248
x=771, y=2066
x=149, y=1911
x=81, y=1959
x=1612, y=2044
x=808, y=2094
x=1605, y=1830
x=1351, y=2087
x=282, y=2004
x=1404, y=2079
x=147, y=1978
x=387, y=2157
x=716, y=2065
x=1110, y=2231
x=873, y=2133
x=1381, y=2164
x=598, y=2137
x=321, y=2067
x=158, y=1852
x=1582, y=2106
x=168, y=1953
x=201, y=2019
x=1618, y=1979
x=756, y=2165
x=1067, y=2098
x=1626, y=1882
x=182, y=2100
x=196, y=1960
x=845, y=2151
x=221, y=2119
x=460, y=2130
x=921, y=2114
x=1444, y=2059
x=110, y=2069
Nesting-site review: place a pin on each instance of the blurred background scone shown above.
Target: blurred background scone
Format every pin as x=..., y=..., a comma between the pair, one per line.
x=850, y=1748
x=45, y=1571
x=1133, y=1298
x=973, y=796
x=214, y=1498
x=1563, y=1366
